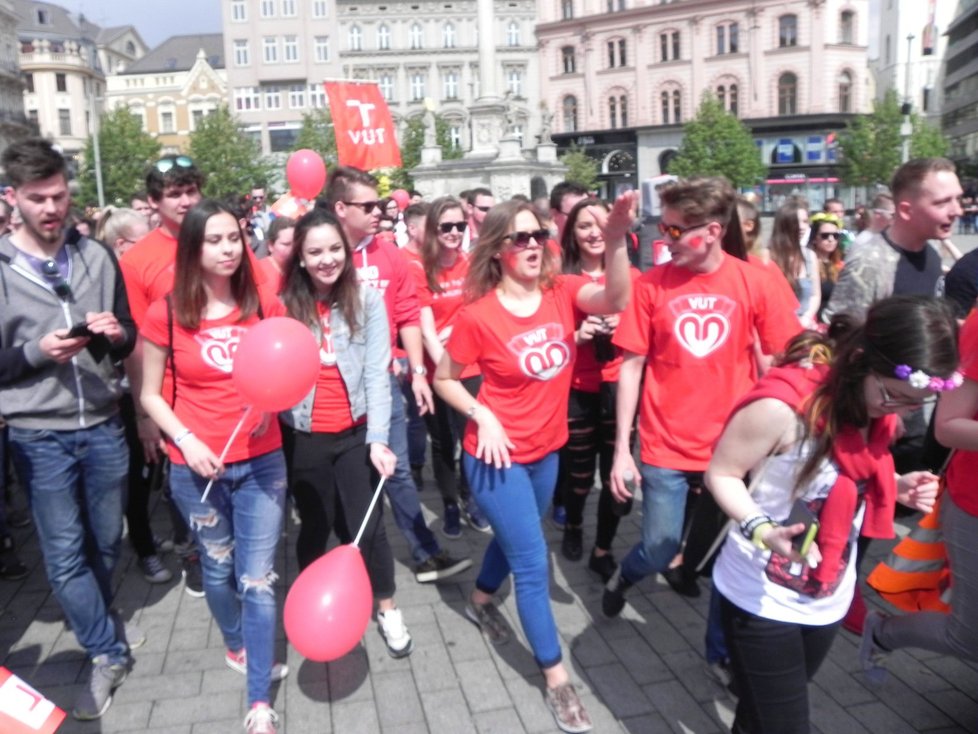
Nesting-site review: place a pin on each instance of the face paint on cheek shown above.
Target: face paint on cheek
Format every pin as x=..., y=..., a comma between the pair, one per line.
x=696, y=243
x=508, y=259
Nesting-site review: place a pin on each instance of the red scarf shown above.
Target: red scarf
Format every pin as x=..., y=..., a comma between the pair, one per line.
x=857, y=461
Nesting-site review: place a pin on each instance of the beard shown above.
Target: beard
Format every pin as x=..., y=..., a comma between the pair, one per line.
x=50, y=236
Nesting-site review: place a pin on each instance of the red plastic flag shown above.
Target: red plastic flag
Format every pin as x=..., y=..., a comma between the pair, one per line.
x=363, y=125
x=23, y=710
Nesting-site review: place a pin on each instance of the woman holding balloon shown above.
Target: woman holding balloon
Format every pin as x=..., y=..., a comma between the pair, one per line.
x=190, y=340
x=518, y=326
x=340, y=430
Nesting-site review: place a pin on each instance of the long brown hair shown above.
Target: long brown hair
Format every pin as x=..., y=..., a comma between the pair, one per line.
x=299, y=293
x=786, y=241
x=189, y=296
x=485, y=270
x=570, y=261
x=827, y=270
x=430, y=247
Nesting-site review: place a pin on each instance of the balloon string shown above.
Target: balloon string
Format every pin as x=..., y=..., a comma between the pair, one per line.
x=373, y=501
x=227, y=447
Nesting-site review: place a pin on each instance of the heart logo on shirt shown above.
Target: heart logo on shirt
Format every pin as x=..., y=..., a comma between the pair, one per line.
x=218, y=345
x=702, y=333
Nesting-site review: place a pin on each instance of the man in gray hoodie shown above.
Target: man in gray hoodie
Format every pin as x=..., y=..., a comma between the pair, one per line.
x=64, y=321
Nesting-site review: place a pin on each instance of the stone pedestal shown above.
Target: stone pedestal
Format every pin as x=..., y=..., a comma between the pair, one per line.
x=431, y=155
x=486, y=117
x=547, y=152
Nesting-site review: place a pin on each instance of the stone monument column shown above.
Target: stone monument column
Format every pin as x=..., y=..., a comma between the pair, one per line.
x=487, y=111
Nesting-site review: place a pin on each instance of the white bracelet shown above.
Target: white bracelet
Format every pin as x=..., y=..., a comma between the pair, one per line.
x=177, y=440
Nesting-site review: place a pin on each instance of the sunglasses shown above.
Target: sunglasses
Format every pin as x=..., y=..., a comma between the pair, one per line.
x=446, y=227
x=828, y=235
x=522, y=240
x=179, y=161
x=890, y=402
x=367, y=206
x=484, y=208
x=51, y=271
x=674, y=232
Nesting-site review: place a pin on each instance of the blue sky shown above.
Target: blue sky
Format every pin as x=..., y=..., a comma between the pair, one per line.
x=156, y=20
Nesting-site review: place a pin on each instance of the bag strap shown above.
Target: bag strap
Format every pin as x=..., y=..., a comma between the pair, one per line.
x=170, y=360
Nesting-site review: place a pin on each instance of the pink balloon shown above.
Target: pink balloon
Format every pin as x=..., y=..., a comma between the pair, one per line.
x=276, y=364
x=306, y=173
x=328, y=608
x=402, y=197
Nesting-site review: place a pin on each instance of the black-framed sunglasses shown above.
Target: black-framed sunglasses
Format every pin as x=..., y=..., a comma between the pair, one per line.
x=366, y=206
x=674, y=231
x=446, y=227
x=51, y=271
x=890, y=402
x=521, y=240
x=828, y=235
x=173, y=161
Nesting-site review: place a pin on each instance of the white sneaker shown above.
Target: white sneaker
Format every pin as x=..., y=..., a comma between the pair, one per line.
x=395, y=633
x=261, y=720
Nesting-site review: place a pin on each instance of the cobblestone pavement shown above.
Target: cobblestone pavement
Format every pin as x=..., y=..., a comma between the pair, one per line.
x=642, y=673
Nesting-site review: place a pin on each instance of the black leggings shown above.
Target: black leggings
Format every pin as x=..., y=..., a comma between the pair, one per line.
x=591, y=424
x=772, y=665
x=332, y=483
x=446, y=427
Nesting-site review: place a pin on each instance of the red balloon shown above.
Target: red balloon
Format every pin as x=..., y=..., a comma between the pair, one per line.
x=402, y=197
x=276, y=364
x=306, y=173
x=328, y=608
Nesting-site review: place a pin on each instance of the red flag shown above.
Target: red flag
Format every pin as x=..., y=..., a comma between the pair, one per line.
x=363, y=126
x=23, y=710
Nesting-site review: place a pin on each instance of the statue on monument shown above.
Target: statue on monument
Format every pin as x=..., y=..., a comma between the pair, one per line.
x=430, y=131
x=510, y=115
x=546, y=123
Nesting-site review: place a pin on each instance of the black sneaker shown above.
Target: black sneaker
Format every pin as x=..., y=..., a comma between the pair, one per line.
x=613, y=598
x=11, y=568
x=440, y=566
x=682, y=582
x=604, y=565
x=572, y=546
x=193, y=578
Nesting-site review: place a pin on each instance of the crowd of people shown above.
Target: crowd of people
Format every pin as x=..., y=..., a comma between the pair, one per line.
x=768, y=399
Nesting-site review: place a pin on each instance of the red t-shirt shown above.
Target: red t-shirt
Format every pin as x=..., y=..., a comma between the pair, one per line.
x=697, y=331
x=272, y=276
x=445, y=304
x=207, y=401
x=381, y=265
x=782, y=287
x=962, y=472
x=331, y=405
x=589, y=373
x=526, y=366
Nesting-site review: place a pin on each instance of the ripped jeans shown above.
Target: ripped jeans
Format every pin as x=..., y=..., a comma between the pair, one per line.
x=238, y=530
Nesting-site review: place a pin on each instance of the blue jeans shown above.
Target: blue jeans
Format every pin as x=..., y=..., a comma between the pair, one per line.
x=513, y=501
x=401, y=489
x=237, y=529
x=417, y=435
x=715, y=640
x=663, y=509
x=76, y=486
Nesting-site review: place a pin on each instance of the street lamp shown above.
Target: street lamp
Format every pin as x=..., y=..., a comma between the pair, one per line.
x=95, y=147
x=906, y=128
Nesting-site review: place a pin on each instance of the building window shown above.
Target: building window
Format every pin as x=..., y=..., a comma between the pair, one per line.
x=32, y=117
x=727, y=97
x=319, y=8
x=787, y=31
x=269, y=49
x=267, y=8
x=449, y=85
x=273, y=98
x=64, y=122
x=845, y=92
x=568, y=58
x=417, y=37
x=925, y=99
x=29, y=82
x=514, y=82
x=290, y=49
x=321, y=47
x=247, y=98
x=383, y=37
x=672, y=106
x=386, y=84
x=196, y=117
x=297, y=96
x=61, y=82
x=241, y=55
x=455, y=136
x=614, y=5
x=417, y=86
x=566, y=9
x=569, y=110
x=288, y=8
x=847, y=22
x=513, y=34
x=618, y=111
x=669, y=46
x=787, y=94
x=447, y=36
x=617, y=53
x=728, y=38
x=239, y=11
x=317, y=96
x=166, y=121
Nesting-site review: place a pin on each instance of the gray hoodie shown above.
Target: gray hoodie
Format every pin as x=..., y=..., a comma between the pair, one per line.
x=35, y=391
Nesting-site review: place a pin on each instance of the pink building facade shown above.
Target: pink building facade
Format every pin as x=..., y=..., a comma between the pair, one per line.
x=621, y=76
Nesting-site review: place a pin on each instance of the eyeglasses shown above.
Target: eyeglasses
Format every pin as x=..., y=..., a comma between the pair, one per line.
x=828, y=235
x=484, y=208
x=367, y=206
x=446, y=227
x=180, y=161
x=674, y=232
x=522, y=240
x=891, y=402
x=51, y=271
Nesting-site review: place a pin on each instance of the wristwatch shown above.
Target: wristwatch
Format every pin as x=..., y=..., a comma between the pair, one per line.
x=419, y=370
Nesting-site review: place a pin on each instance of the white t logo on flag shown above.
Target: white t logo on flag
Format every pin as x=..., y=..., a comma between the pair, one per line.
x=363, y=108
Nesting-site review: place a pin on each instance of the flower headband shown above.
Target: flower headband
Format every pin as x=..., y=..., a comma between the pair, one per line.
x=919, y=380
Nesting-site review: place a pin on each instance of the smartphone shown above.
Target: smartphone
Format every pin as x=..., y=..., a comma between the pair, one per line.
x=801, y=513
x=79, y=330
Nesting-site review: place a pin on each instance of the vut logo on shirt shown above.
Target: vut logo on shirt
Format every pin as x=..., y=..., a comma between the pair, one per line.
x=218, y=345
x=370, y=274
x=541, y=352
x=702, y=321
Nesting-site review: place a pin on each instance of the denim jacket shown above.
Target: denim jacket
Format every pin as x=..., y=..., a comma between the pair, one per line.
x=363, y=360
